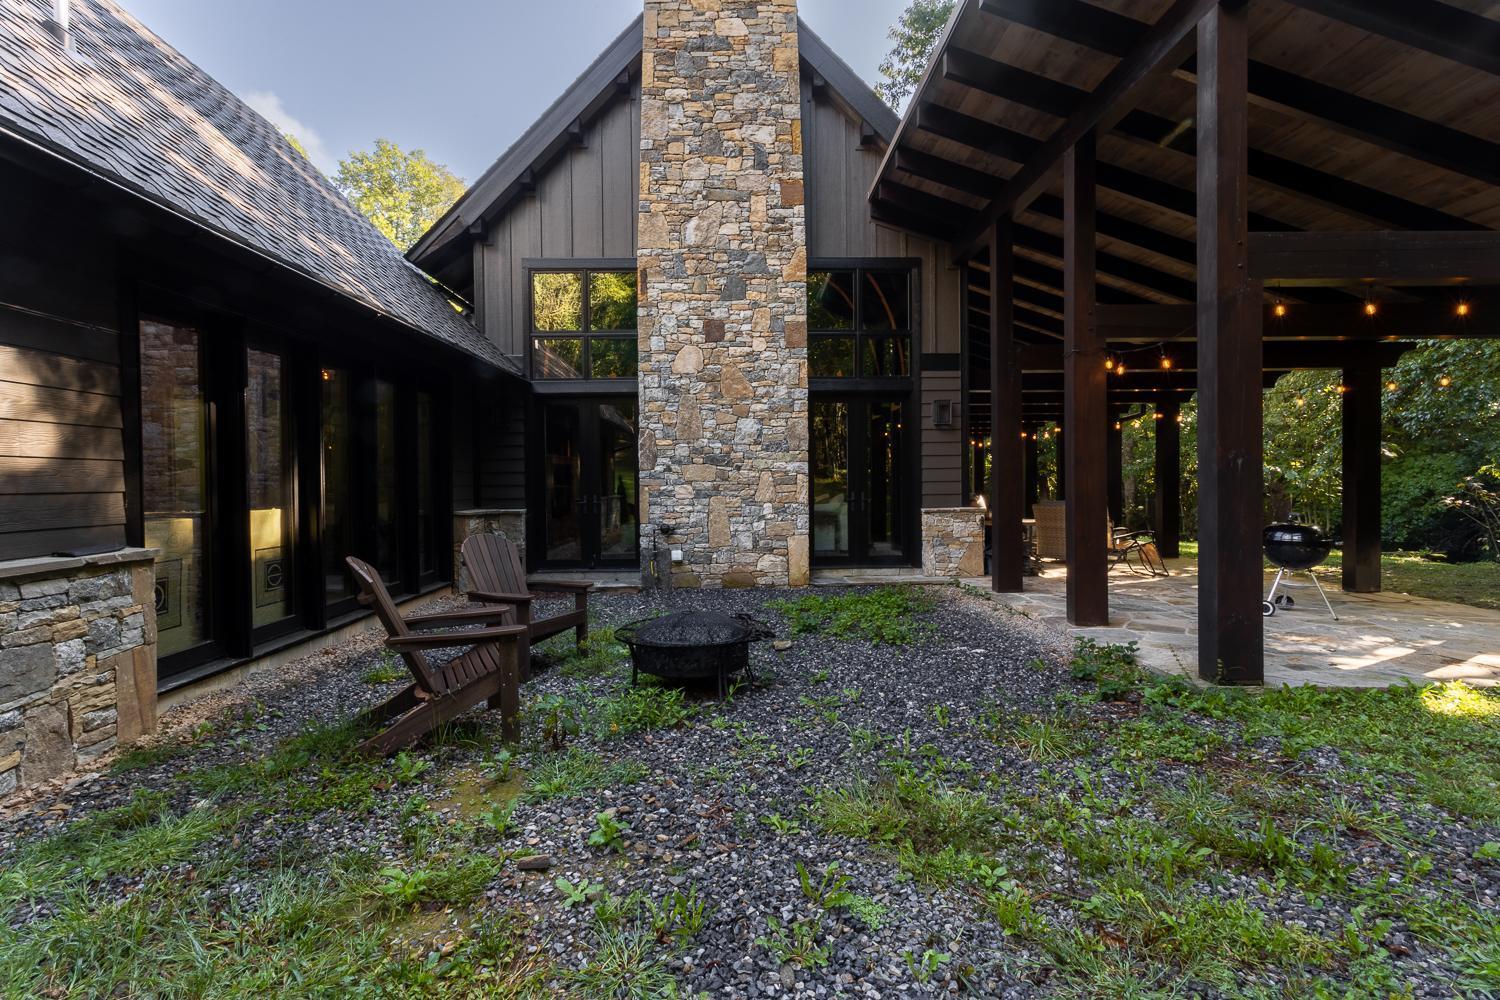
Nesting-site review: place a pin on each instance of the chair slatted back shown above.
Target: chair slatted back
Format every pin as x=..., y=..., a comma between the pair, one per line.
x=373, y=593
x=494, y=565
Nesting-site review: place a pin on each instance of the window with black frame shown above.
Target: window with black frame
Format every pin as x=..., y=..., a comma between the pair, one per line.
x=859, y=323
x=583, y=324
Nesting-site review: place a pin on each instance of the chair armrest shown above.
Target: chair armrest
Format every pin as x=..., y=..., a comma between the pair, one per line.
x=487, y=597
x=473, y=616
x=1129, y=535
x=560, y=586
x=442, y=640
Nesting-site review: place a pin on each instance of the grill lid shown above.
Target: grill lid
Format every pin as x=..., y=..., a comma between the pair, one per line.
x=684, y=629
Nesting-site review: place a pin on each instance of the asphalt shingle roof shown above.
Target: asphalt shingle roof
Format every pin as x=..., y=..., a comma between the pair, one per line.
x=129, y=106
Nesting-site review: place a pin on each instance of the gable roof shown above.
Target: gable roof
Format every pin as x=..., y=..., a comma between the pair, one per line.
x=515, y=171
x=132, y=110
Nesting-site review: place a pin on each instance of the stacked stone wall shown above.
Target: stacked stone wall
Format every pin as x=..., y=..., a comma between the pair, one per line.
x=723, y=289
x=77, y=668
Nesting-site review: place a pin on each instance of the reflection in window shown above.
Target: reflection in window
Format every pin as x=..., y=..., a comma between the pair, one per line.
x=612, y=300
x=427, y=555
x=387, y=504
x=557, y=301
x=269, y=485
x=878, y=344
x=595, y=306
x=339, y=524
x=174, y=486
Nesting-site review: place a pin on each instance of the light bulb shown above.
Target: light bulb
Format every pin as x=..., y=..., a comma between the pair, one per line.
x=1279, y=309
x=1371, y=308
x=1462, y=310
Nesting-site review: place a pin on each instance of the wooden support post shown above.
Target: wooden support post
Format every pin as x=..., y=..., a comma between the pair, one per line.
x=1361, y=413
x=1231, y=642
x=1114, y=460
x=1062, y=463
x=1031, y=471
x=1167, y=520
x=1084, y=405
x=1007, y=492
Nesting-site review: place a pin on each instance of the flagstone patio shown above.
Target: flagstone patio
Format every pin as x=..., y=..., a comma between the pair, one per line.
x=1379, y=639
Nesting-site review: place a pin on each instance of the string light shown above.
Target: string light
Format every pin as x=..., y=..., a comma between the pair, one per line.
x=1279, y=309
x=1119, y=368
x=1166, y=363
x=1391, y=387
x=1300, y=401
x=1117, y=425
x=327, y=375
x=1371, y=308
x=1444, y=381
x=1342, y=389
x=1462, y=310
x=1179, y=418
x=1159, y=415
x=1109, y=364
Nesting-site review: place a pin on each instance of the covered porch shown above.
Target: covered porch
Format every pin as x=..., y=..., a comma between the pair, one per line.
x=1183, y=200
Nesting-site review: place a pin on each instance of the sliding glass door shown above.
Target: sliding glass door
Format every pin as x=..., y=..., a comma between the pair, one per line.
x=590, y=509
x=861, y=507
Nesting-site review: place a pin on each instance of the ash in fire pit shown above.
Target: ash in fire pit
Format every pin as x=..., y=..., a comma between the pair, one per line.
x=692, y=645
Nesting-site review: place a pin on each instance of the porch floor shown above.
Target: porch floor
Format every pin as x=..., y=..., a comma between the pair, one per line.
x=1379, y=639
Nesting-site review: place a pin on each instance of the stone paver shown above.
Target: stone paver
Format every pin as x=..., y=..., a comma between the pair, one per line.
x=1379, y=639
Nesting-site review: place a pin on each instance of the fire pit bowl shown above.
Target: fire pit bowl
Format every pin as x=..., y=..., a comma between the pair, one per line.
x=1295, y=547
x=692, y=645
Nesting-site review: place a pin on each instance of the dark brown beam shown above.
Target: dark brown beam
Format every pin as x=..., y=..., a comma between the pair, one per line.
x=1358, y=117
x=1277, y=355
x=1380, y=256
x=1167, y=43
x=1007, y=499
x=1361, y=424
x=1437, y=318
x=1167, y=515
x=1088, y=572
x=1231, y=640
x=1288, y=176
x=1439, y=28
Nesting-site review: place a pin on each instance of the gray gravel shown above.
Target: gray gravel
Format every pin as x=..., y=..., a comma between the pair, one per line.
x=698, y=817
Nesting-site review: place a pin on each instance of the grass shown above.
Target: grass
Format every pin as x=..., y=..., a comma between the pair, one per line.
x=1420, y=574
x=578, y=771
x=885, y=616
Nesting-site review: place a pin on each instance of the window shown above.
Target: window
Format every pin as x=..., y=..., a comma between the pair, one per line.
x=583, y=324
x=859, y=323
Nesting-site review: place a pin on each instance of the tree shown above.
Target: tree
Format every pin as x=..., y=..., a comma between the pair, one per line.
x=914, y=34
x=402, y=193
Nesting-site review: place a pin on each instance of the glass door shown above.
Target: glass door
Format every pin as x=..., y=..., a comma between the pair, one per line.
x=270, y=489
x=861, y=510
x=175, y=458
x=590, y=511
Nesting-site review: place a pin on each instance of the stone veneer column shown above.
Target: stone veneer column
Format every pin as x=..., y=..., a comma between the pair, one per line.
x=723, y=291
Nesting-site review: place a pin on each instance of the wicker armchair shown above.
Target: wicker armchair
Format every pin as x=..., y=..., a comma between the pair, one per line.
x=1051, y=529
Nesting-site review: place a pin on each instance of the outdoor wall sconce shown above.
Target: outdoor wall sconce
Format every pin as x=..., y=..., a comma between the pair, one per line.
x=942, y=413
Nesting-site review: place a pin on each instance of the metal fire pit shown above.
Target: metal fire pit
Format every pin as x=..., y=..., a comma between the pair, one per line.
x=692, y=645
x=1294, y=548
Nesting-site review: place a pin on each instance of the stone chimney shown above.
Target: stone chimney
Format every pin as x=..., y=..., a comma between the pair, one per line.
x=723, y=291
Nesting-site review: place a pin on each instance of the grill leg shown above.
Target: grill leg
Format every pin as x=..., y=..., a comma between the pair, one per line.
x=1323, y=594
x=1271, y=597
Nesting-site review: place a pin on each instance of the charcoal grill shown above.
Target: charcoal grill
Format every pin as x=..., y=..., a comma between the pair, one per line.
x=1294, y=548
x=693, y=645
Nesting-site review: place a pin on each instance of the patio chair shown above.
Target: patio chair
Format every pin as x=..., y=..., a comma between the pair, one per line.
x=1136, y=550
x=496, y=576
x=489, y=671
x=1051, y=529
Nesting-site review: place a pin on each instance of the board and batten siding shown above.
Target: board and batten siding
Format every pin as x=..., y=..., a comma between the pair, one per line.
x=583, y=206
x=839, y=173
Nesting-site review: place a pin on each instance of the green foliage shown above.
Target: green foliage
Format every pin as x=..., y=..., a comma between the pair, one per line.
x=677, y=918
x=402, y=193
x=913, y=37
x=388, y=671
x=1111, y=667
x=409, y=767
x=558, y=717
x=608, y=833
x=641, y=708
x=579, y=771
x=576, y=894
x=795, y=943
x=926, y=966
x=885, y=616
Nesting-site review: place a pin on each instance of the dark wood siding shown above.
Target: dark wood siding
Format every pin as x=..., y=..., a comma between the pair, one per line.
x=839, y=173
x=62, y=456
x=584, y=206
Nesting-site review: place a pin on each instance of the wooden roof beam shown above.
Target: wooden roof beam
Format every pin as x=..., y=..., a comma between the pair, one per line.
x=1439, y=28
x=1381, y=256
x=1168, y=42
x=1392, y=321
x=1360, y=118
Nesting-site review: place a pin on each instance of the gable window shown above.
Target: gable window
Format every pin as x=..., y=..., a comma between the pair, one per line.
x=583, y=324
x=859, y=323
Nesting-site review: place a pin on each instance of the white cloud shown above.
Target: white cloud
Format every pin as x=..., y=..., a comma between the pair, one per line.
x=270, y=107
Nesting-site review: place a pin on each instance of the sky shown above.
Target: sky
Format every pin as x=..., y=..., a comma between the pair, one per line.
x=460, y=79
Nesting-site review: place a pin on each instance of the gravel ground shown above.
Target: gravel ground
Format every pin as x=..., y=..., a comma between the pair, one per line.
x=698, y=817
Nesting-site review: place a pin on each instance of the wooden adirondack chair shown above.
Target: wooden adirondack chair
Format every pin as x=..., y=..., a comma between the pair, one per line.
x=489, y=671
x=496, y=576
